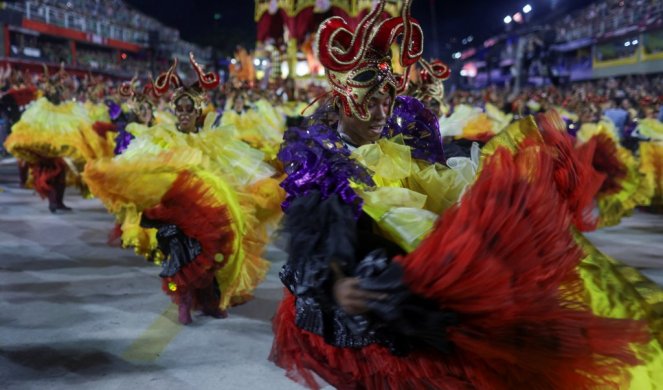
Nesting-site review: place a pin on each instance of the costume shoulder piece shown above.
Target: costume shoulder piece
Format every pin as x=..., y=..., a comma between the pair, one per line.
x=315, y=159
x=419, y=127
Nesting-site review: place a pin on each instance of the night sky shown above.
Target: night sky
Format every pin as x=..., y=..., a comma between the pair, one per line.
x=225, y=23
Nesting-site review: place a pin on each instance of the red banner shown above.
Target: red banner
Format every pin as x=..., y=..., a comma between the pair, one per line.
x=80, y=36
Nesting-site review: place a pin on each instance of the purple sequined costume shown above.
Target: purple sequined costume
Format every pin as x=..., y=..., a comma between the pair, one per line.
x=123, y=137
x=316, y=159
x=419, y=127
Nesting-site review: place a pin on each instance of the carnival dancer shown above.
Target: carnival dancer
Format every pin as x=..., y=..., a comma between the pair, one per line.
x=625, y=187
x=259, y=124
x=428, y=87
x=193, y=186
x=15, y=96
x=139, y=108
x=375, y=300
x=54, y=135
x=651, y=158
x=141, y=104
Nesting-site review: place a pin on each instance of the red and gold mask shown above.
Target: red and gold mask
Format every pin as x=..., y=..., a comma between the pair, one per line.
x=431, y=78
x=358, y=62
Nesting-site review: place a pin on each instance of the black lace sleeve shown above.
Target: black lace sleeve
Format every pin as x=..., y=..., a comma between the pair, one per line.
x=320, y=231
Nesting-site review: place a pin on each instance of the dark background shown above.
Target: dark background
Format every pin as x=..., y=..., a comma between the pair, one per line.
x=225, y=23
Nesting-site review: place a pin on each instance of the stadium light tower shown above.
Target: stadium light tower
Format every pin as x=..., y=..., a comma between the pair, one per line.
x=527, y=8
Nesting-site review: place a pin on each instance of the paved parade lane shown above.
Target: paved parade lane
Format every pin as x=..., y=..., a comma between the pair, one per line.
x=77, y=313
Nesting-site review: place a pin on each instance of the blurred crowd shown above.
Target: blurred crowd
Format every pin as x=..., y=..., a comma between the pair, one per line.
x=623, y=100
x=606, y=16
x=116, y=11
x=54, y=51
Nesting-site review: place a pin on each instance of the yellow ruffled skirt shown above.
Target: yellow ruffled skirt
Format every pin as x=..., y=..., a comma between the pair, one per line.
x=128, y=186
x=610, y=288
x=637, y=189
x=651, y=166
x=615, y=290
x=51, y=131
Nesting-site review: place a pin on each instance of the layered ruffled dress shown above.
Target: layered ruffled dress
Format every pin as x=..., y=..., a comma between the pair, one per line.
x=215, y=190
x=102, y=123
x=651, y=157
x=609, y=287
x=53, y=138
x=261, y=126
x=625, y=186
x=473, y=123
x=478, y=274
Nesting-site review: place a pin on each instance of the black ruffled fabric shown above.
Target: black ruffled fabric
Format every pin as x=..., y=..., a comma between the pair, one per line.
x=322, y=231
x=178, y=249
x=419, y=321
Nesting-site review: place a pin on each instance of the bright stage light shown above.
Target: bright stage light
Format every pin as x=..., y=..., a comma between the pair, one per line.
x=507, y=19
x=457, y=55
x=527, y=8
x=302, y=69
x=518, y=17
x=627, y=44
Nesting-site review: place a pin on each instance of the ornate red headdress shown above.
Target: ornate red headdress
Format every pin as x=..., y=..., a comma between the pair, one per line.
x=431, y=77
x=195, y=91
x=137, y=98
x=358, y=63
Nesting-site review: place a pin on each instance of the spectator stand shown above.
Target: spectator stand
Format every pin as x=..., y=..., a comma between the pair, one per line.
x=609, y=38
x=101, y=36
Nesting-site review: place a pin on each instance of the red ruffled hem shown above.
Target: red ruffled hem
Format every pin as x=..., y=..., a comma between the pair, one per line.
x=43, y=174
x=197, y=275
x=605, y=160
x=307, y=359
x=190, y=206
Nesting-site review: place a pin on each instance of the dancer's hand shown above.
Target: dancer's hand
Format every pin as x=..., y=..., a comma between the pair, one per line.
x=351, y=298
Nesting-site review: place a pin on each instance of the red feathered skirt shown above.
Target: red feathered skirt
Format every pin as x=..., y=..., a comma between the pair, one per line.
x=191, y=206
x=505, y=261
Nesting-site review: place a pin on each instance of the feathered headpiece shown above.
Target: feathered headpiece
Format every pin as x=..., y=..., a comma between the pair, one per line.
x=195, y=91
x=136, y=98
x=358, y=62
x=95, y=86
x=431, y=77
x=57, y=83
